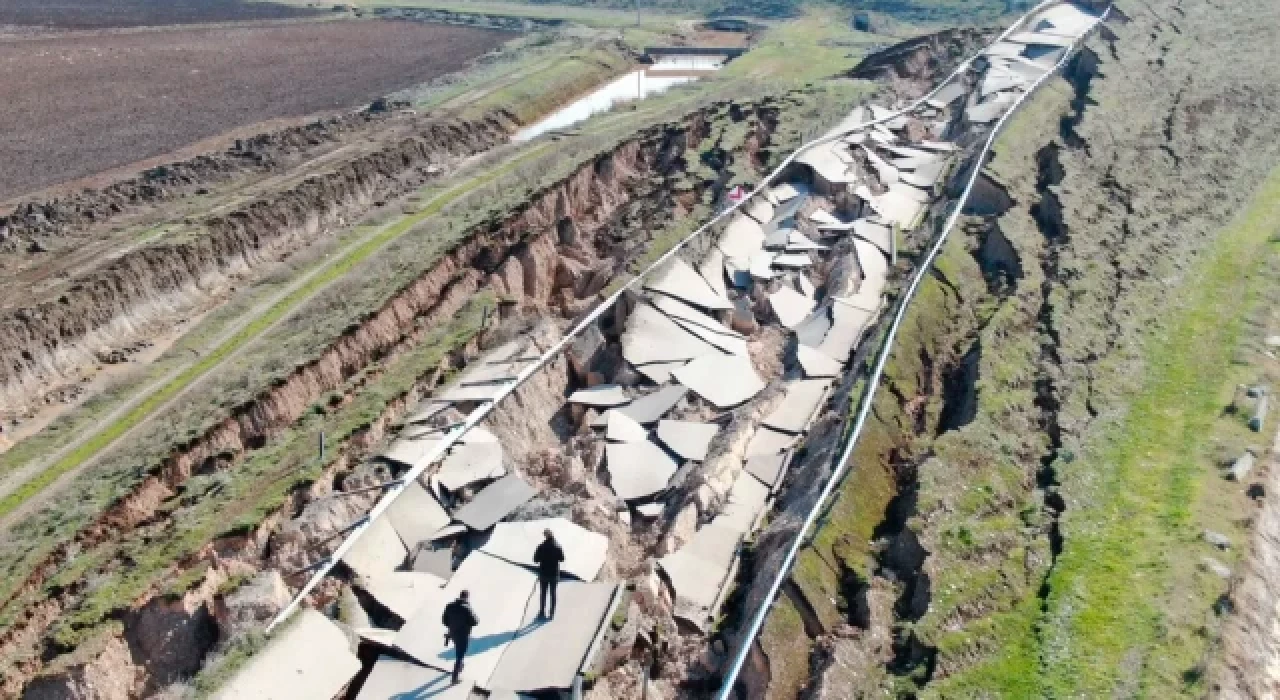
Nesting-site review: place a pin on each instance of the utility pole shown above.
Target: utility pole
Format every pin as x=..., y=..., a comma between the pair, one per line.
x=637, y=13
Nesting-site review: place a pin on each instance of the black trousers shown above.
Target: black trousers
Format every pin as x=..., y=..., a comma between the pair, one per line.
x=548, y=589
x=460, y=645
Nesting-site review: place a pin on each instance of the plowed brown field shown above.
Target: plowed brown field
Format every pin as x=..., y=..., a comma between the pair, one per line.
x=79, y=104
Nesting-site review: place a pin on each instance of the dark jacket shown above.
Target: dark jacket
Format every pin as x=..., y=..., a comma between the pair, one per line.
x=548, y=557
x=459, y=618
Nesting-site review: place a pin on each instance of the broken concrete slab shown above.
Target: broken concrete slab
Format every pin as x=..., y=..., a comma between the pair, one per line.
x=712, y=270
x=468, y=464
x=547, y=654
x=499, y=592
x=1042, y=39
x=898, y=206
x=477, y=434
x=309, y=658
x=651, y=510
x=688, y=439
x=806, y=286
x=926, y=175
x=798, y=405
x=848, y=325
x=723, y=380
x=377, y=636
x=683, y=312
x=395, y=678
x=491, y=372
x=697, y=572
x=878, y=235
x=1006, y=49
x=741, y=238
x=747, y=497
x=792, y=260
x=884, y=117
x=416, y=515
x=584, y=551
x=480, y=392
x=720, y=341
x=518, y=350
x=768, y=441
x=828, y=168
x=759, y=209
x=378, y=551
x=941, y=146
x=410, y=451
x=791, y=307
x=815, y=364
x=650, y=408
x=868, y=299
x=405, y=592
x=767, y=468
x=652, y=336
x=1067, y=18
x=777, y=239
x=997, y=81
x=785, y=191
x=622, y=428
x=814, y=328
x=886, y=172
x=495, y=502
x=989, y=111
x=762, y=265
x=638, y=470
x=798, y=242
x=437, y=562
x=427, y=410
x=603, y=396
x=822, y=216
x=675, y=278
x=659, y=372
x=874, y=267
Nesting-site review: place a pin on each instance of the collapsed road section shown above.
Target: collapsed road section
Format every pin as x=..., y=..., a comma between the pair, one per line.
x=687, y=393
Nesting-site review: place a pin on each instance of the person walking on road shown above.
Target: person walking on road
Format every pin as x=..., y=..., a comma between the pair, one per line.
x=459, y=618
x=548, y=556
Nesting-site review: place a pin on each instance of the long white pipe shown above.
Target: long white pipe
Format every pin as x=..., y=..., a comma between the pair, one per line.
x=481, y=412
x=745, y=641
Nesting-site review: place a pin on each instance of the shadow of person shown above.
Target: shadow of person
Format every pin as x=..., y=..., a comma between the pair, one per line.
x=436, y=688
x=479, y=645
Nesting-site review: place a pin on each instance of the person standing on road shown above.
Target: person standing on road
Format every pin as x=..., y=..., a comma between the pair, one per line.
x=459, y=618
x=548, y=556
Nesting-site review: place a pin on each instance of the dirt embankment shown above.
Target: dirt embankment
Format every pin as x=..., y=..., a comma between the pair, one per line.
x=922, y=61
x=45, y=344
x=557, y=252
x=49, y=221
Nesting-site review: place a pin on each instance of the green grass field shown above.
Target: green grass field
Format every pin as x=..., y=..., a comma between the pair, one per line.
x=1128, y=593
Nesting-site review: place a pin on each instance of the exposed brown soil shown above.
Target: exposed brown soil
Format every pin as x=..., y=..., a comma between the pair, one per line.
x=97, y=14
x=76, y=105
x=50, y=339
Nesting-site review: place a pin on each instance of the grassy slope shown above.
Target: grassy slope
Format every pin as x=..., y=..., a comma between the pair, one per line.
x=1146, y=494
